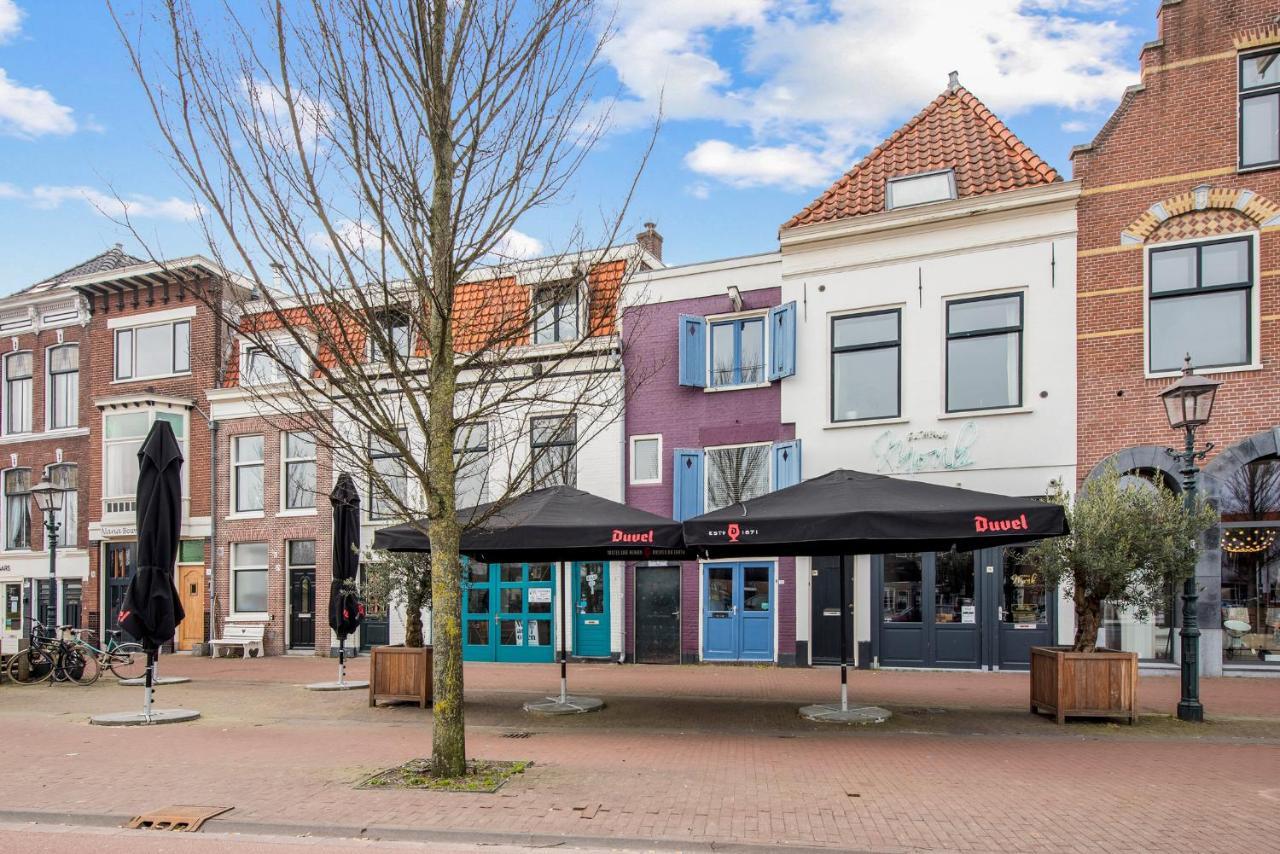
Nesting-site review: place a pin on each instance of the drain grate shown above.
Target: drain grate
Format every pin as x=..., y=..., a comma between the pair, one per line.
x=182, y=818
x=516, y=734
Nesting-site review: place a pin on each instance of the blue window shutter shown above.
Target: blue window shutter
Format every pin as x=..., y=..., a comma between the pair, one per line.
x=693, y=351
x=782, y=328
x=686, y=502
x=786, y=464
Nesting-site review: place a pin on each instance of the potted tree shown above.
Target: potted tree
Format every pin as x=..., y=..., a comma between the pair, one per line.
x=1129, y=542
x=401, y=673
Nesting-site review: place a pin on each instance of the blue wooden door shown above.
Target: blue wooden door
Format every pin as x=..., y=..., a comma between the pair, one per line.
x=737, y=612
x=479, y=634
x=591, y=609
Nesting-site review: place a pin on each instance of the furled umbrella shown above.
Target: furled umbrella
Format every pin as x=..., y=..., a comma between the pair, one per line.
x=346, y=611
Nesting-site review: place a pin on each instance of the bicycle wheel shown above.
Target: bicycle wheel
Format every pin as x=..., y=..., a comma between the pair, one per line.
x=30, y=667
x=80, y=668
x=128, y=661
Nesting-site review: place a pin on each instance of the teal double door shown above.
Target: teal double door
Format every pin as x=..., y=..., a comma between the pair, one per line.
x=508, y=611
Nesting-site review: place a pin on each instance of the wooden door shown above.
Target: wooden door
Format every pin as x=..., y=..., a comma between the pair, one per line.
x=191, y=594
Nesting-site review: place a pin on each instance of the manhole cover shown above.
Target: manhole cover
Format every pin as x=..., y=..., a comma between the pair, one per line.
x=182, y=818
x=516, y=734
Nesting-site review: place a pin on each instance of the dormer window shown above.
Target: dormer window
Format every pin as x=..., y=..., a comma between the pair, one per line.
x=555, y=314
x=912, y=190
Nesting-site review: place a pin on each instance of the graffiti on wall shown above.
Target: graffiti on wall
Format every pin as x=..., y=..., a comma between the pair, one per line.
x=925, y=450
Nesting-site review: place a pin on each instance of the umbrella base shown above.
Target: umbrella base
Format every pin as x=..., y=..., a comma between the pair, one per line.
x=348, y=685
x=830, y=713
x=159, y=680
x=158, y=716
x=571, y=705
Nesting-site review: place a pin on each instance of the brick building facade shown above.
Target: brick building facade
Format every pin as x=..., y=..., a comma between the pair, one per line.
x=1179, y=254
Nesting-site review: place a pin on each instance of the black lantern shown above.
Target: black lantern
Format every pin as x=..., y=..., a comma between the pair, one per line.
x=1189, y=401
x=48, y=497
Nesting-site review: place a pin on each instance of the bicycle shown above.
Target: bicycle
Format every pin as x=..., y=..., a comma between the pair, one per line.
x=53, y=658
x=125, y=659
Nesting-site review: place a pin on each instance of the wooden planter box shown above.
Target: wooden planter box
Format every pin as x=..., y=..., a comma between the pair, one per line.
x=400, y=674
x=1102, y=684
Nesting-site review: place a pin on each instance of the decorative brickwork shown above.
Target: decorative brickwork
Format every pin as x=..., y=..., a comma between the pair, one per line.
x=1201, y=224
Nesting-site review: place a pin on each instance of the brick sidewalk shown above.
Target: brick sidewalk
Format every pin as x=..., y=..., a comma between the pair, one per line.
x=673, y=760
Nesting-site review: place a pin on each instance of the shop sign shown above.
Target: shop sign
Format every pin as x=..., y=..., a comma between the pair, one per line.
x=968, y=614
x=925, y=450
x=119, y=531
x=540, y=594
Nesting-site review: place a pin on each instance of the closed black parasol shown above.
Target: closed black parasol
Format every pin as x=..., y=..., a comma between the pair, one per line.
x=151, y=611
x=346, y=611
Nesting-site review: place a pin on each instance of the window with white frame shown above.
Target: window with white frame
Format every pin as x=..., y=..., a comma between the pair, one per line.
x=737, y=352
x=287, y=357
x=555, y=313
x=17, y=393
x=866, y=360
x=736, y=474
x=17, y=509
x=1200, y=301
x=471, y=464
x=392, y=328
x=299, y=470
x=552, y=441
x=984, y=353
x=64, y=386
x=247, y=470
x=912, y=190
x=1260, y=109
x=66, y=477
x=249, y=578
x=156, y=350
x=646, y=459
x=388, y=478
x=122, y=436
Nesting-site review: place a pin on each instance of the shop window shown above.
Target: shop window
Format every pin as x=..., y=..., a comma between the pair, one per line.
x=249, y=577
x=299, y=470
x=158, y=350
x=471, y=465
x=17, y=393
x=64, y=386
x=866, y=359
x=1250, y=544
x=247, y=468
x=1024, y=599
x=17, y=509
x=552, y=446
x=388, y=477
x=737, y=351
x=920, y=189
x=66, y=477
x=1200, y=302
x=984, y=353
x=1260, y=109
x=71, y=600
x=903, y=589
x=555, y=313
x=953, y=588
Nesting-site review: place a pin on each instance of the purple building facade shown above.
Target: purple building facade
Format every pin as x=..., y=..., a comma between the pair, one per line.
x=703, y=427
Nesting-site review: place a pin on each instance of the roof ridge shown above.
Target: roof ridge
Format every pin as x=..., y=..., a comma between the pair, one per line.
x=118, y=260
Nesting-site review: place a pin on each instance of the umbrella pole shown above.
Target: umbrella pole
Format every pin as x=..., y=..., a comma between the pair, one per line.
x=844, y=641
x=342, y=660
x=146, y=697
x=564, y=631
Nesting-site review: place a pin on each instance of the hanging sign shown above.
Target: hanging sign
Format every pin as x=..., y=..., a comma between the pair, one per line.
x=925, y=450
x=540, y=594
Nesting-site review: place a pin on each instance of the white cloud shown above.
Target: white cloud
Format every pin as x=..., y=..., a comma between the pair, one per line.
x=272, y=112
x=1074, y=126
x=10, y=20
x=517, y=246
x=356, y=237
x=831, y=77
x=133, y=206
x=700, y=190
x=759, y=165
x=29, y=111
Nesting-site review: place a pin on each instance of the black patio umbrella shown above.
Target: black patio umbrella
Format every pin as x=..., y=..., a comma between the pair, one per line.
x=151, y=610
x=852, y=512
x=558, y=523
x=346, y=611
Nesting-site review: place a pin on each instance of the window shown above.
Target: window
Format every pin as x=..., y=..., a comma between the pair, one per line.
x=64, y=386
x=122, y=439
x=1260, y=109
x=17, y=509
x=736, y=474
x=263, y=368
x=388, y=478
x=551, y=445
x=1200, y=303
x=299, y=471
x=737, y=352
x=300, y=554
x=920, y=189
x=249, y=577
x=66, y=477
x=866, y=362
x=191, y=551
x=17, y=393
x=646, y=454
x=984, y=353
x=555, y=314
x=246, y=474
x=153, y=351
x=393, y=329
x=471, y=465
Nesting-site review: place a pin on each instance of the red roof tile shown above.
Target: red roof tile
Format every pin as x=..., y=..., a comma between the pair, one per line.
x=955, y=131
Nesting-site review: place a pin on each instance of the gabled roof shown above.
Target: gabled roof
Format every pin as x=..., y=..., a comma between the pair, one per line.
x=113, y=259
x=955, y=131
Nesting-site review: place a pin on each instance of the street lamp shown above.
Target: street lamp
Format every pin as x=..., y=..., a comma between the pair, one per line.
x=49, y=502
x=1189, y=403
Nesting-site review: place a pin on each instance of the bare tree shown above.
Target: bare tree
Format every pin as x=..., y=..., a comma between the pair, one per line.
x=366, y=163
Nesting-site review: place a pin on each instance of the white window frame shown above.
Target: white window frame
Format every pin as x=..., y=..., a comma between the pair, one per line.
x=276, y=377
x=132, y=330
x=469, y=447
x=285, y=460
x=4, y=510
x=48, y=387
x=30, y=397
x=1255, y=306
x=706, y=468
x=65, y=540
x=237, y=568
x=902, y=179
x=237, y=464
x=750, y=314
x=183, y=443
x=631, y=459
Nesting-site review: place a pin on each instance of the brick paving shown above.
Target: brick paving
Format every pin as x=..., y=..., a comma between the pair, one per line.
x=675, y=759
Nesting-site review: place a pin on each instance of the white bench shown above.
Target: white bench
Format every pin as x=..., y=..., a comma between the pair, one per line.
x=245, y=636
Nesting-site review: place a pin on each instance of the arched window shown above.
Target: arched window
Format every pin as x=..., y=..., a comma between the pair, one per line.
x=64, y=386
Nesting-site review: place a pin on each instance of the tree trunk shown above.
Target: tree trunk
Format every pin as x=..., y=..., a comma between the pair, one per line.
x=414, y=596
x=1088, y=620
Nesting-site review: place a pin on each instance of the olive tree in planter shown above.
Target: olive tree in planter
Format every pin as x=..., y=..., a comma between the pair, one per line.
x=402, y=672
x=1129, y=543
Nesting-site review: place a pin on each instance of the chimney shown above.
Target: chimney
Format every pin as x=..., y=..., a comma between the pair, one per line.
x=650, y=241
x=953, y=81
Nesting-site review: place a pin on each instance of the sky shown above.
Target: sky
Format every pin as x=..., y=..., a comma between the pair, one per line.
x=764, y=104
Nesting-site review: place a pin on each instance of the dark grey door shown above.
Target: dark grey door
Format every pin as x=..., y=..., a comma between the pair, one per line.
x=825, y=614
x=302, y=608
x=1022, y=609
x=657, y=614
x=117, y=571
x=931, y=610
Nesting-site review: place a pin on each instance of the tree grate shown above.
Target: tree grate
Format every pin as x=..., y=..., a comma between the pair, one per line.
x=516, y=734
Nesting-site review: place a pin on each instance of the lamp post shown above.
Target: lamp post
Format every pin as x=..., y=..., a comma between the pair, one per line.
x=49, y=502
x=1188, y=403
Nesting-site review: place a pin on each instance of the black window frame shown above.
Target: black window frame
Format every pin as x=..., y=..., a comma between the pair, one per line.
x=1195, y=290
x=950, y=336
x=551, y=303
x=378, y=451
x=853, y=348
x=1244, y=94
x=562, y=437
x=388, y=320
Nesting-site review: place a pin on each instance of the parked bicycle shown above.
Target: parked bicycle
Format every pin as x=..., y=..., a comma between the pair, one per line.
x=127, y=659
x=60, y=658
